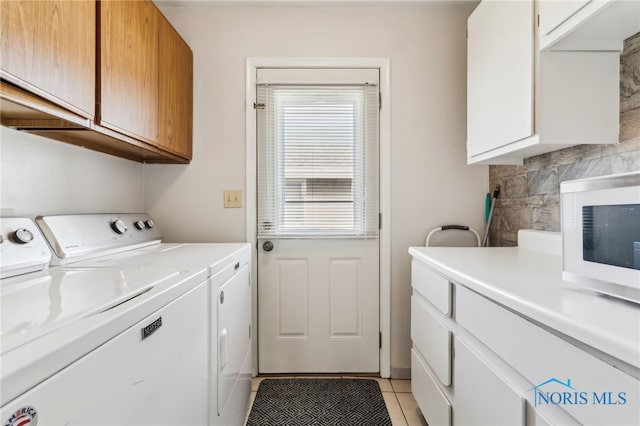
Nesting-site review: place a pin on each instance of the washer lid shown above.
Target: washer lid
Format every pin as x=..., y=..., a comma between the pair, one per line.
x=39, y=303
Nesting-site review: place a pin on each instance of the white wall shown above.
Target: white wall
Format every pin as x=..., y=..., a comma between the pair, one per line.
x=431, y=184
x=40, y=176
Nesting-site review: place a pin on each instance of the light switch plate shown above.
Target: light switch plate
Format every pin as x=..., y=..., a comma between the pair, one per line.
x=232, y=199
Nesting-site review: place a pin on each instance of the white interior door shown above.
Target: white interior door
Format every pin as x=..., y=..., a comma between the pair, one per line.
x=318, y=212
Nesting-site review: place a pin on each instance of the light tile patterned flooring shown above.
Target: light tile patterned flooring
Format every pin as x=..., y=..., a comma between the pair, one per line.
x=401, y=405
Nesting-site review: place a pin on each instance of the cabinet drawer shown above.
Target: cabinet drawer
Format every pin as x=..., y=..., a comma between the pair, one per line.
x=434, y=405
x=482, y=396
x=431, y=338
x=539, y=356
x=433, y=287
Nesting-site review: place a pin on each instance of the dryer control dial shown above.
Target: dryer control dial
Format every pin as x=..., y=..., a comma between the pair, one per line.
x=139, y=225
x=22, y=236
x=149, y=224
x=118, y=226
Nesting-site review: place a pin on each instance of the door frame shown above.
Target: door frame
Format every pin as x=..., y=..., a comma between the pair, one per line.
x=383, y=64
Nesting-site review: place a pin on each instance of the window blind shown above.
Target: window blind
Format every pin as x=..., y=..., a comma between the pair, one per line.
x=318, y=161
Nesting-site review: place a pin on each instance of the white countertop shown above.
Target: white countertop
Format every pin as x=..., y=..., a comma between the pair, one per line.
x=530, y=282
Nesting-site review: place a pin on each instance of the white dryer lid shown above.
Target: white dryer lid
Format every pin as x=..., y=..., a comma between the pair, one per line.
x=209, y=255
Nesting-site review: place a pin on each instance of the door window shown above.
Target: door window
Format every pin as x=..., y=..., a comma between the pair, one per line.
x=318, y=160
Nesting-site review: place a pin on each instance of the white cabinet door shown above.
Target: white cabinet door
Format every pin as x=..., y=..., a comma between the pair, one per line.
x=500, y=66
x=482, y=397
x=555, y=12
x=433, y=403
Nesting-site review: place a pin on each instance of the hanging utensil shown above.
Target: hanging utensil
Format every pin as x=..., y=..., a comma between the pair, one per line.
x=485, y=239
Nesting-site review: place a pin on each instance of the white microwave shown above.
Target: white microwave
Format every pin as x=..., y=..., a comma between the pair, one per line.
x=601, y=234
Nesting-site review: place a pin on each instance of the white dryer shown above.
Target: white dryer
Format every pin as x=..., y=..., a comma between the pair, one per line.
x=86, y=346
x=229, y=292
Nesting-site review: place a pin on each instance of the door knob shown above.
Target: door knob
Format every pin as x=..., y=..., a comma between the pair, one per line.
x=267, y=246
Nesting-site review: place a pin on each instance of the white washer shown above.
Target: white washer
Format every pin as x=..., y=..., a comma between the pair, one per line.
x=228, y=274
x=86, y=346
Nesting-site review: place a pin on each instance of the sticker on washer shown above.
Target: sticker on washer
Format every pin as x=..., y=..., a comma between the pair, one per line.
x=25, y=416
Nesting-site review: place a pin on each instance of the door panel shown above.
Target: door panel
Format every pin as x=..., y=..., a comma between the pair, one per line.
x=292, y=304
x=318, y=306
x=345, y=283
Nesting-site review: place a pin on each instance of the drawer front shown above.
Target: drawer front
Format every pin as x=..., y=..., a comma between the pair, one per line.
x=433, y=403
x=482, y=397
x=431, y=338
x=540, y=356
x=433, y=287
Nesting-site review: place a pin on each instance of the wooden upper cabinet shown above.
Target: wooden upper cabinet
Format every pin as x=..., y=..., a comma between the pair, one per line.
x=48, y=48
x=176, y=92
x=113, y=76
x=128, y=68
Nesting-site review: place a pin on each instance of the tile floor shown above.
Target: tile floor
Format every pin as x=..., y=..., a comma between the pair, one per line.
x=401, y=406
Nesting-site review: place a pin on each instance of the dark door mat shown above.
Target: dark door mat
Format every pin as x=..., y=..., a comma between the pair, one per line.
x=319, y=402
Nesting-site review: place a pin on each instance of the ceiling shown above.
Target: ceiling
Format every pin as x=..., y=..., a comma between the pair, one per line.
x=312, y=3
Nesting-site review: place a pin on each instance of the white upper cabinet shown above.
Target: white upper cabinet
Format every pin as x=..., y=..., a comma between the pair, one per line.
x=593, y=25
x=500, y=74
x=554, y=12
x=523, y=102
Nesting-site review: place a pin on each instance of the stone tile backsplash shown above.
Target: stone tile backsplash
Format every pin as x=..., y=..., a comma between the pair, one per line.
x=530, y=194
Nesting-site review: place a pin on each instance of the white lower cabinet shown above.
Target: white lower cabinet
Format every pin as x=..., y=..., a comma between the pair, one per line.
x=483, y=364
x=433, y=339
x=482, y=396
x=433, y=402
x=540, y=356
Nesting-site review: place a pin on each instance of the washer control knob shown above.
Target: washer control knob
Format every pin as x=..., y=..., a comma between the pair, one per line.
x=139, y=225
x=22, y=236
x=149, y=223
x=118, y=226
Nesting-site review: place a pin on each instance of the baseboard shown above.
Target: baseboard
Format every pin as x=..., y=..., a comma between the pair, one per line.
x=400, y=373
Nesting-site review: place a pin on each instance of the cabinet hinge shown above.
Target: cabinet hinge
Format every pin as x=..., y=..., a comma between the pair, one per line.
x=97, y=109
x=538, y=20
x=380, y=340
x=258, y=106
x=249, y=331
x=379, y=220
x=379, y=101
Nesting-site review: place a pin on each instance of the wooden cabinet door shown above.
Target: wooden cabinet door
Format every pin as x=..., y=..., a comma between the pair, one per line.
x=48, y=48
x=500, y=74
x=176, y=92
x=129, y=68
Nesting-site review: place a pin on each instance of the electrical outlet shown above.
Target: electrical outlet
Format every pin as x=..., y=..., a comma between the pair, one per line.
x=232, y=199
